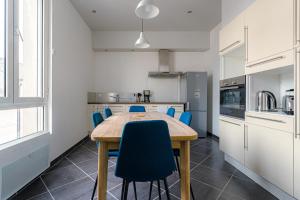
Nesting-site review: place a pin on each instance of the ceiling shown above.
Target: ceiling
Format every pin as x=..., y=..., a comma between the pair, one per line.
x=118, y=15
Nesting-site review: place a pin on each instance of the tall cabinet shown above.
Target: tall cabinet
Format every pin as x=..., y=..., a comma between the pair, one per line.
x=297, y=134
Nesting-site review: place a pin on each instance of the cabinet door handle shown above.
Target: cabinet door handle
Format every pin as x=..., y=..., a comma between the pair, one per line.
x=272, y=120
x=231, y=45
x=246, y=137
x=266, y=61
x=230, y=122
x=246, y=41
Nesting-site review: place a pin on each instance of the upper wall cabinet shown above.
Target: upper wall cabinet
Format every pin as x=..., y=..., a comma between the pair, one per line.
x=232, y=35
x=269, y=35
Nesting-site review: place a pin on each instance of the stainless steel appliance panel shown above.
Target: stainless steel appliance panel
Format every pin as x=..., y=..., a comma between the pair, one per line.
x=197, y=91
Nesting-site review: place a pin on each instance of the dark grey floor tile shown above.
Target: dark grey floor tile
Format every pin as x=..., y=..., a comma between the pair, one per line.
x=172, y=197
x=247, y=190
x=60, y=164
x=225, y=196
x=81, y=154
x=217, y=162
x=241, y=175
x=91, y=166
x=44, y=196
x=35, y=188
x=79, y=190
x=201, y=149
x=197, y=157
x=112, y=180
x=215, y=178
x=62, y=176
x=201, y=191
x=142, y=191
x=91, y=145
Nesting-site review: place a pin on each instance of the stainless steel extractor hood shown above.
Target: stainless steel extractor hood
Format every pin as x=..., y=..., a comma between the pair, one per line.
x=165, y=70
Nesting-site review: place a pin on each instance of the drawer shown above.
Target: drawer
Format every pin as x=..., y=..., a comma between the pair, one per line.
x=178, y=108
x=274, y=121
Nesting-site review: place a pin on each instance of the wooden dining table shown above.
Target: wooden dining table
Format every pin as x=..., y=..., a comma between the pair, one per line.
x=109, y=133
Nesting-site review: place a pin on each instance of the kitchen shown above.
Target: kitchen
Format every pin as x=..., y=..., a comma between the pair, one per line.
x=231, y=66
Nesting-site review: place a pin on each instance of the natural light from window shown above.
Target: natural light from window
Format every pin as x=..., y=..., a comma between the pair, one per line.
x=2, y=48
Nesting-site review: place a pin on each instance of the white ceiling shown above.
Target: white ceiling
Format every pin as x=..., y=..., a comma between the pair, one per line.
x=118, y=15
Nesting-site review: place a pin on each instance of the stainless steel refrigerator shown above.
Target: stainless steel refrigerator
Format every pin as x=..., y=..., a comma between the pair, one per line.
x=193, y=90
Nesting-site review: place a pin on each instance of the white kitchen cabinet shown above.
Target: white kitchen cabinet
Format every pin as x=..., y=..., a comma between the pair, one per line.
x=269, y=152
x=232, y=138
x=232, y=35
x=297, y=136
x=269, y=34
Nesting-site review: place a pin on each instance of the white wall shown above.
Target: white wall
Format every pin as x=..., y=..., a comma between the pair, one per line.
x=179, y=40
x=72, y=65
x=231, y=8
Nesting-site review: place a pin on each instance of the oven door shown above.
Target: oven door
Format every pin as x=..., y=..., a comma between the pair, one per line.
x=233, y=101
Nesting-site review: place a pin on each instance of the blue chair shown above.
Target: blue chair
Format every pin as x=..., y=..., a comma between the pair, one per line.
x=186, y=118
x=107, y=112
x=137, y=109
x=98, y=119
x=145, y=155
x=171, y=112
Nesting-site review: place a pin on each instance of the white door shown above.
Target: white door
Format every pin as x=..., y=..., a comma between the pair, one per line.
x=269, y=29
x=297, y=168
x=232, y=138
x=269, y=153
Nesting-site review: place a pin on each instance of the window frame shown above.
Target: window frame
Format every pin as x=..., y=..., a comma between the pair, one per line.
x=12, y=99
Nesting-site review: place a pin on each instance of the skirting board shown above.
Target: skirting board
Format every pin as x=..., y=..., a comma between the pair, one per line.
x=259, y=180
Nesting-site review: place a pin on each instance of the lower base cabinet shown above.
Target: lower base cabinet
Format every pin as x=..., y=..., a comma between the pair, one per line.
x=269, y=153
x=232, y=138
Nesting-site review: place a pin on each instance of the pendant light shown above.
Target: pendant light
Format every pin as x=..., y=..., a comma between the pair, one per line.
x=146, y=9
x=142, y=42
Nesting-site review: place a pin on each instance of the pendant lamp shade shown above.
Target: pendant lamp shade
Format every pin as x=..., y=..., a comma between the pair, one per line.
x=146, y=9
x=142, y=42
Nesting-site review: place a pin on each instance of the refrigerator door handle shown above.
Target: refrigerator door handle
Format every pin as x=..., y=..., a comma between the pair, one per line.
x=187, y=105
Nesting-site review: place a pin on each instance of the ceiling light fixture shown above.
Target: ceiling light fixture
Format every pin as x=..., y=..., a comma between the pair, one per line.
x=142, y=42
x=146, y=9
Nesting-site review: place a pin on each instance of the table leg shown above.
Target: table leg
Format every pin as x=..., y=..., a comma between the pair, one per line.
x=185, y=170
x=102, y=170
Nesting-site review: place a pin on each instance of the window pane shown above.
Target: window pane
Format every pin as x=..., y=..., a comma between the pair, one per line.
x=8, y=125
x=30, y=48
x=31, y=121
x=2, y=49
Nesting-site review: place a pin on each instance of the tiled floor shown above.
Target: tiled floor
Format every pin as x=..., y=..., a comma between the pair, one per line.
x=212, y=178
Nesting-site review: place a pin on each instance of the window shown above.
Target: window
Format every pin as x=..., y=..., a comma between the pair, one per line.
x=23, y=105
x=2, y=49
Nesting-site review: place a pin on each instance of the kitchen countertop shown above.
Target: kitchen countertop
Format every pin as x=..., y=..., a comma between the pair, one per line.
x=137, y=103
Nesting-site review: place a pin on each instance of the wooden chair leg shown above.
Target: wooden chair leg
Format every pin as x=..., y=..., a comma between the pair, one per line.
x=95, y=186
x=134, y=188
x=159, y=192
x=167, y=189
x=150, y=192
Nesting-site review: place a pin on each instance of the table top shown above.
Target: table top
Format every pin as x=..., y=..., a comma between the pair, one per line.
x=111, y=129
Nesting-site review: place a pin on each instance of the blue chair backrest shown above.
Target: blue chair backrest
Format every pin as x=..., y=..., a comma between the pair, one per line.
x=137, y=109
x=171, y=112
x=97, y=119
x=107, y=112
x=186, y=118
x=145, y=152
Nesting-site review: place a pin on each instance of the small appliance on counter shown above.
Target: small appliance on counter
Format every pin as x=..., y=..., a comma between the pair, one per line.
x=147, y=95
x=138, y=97
x=265, y=101
x=288, y=102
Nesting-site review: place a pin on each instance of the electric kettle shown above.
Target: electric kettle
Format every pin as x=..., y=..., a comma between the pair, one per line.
x=266, y=101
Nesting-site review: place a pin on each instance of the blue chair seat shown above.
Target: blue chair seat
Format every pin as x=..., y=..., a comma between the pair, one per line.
x=137, y=109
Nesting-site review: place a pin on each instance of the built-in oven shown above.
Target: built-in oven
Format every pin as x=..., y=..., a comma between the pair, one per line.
x=233, y=97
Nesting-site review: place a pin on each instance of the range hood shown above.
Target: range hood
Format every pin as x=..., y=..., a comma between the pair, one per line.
x=165, y=70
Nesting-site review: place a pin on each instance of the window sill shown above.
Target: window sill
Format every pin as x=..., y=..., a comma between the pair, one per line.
x=22, y=140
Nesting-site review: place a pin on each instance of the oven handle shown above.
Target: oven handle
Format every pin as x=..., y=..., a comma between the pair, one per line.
x=229, y=88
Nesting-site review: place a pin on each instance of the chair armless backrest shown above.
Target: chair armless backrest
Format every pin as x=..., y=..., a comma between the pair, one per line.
x=137, y=109
x=97, y=119
x=145, y=152
x=107, y=112
x=171, y=112
x=186, y=118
